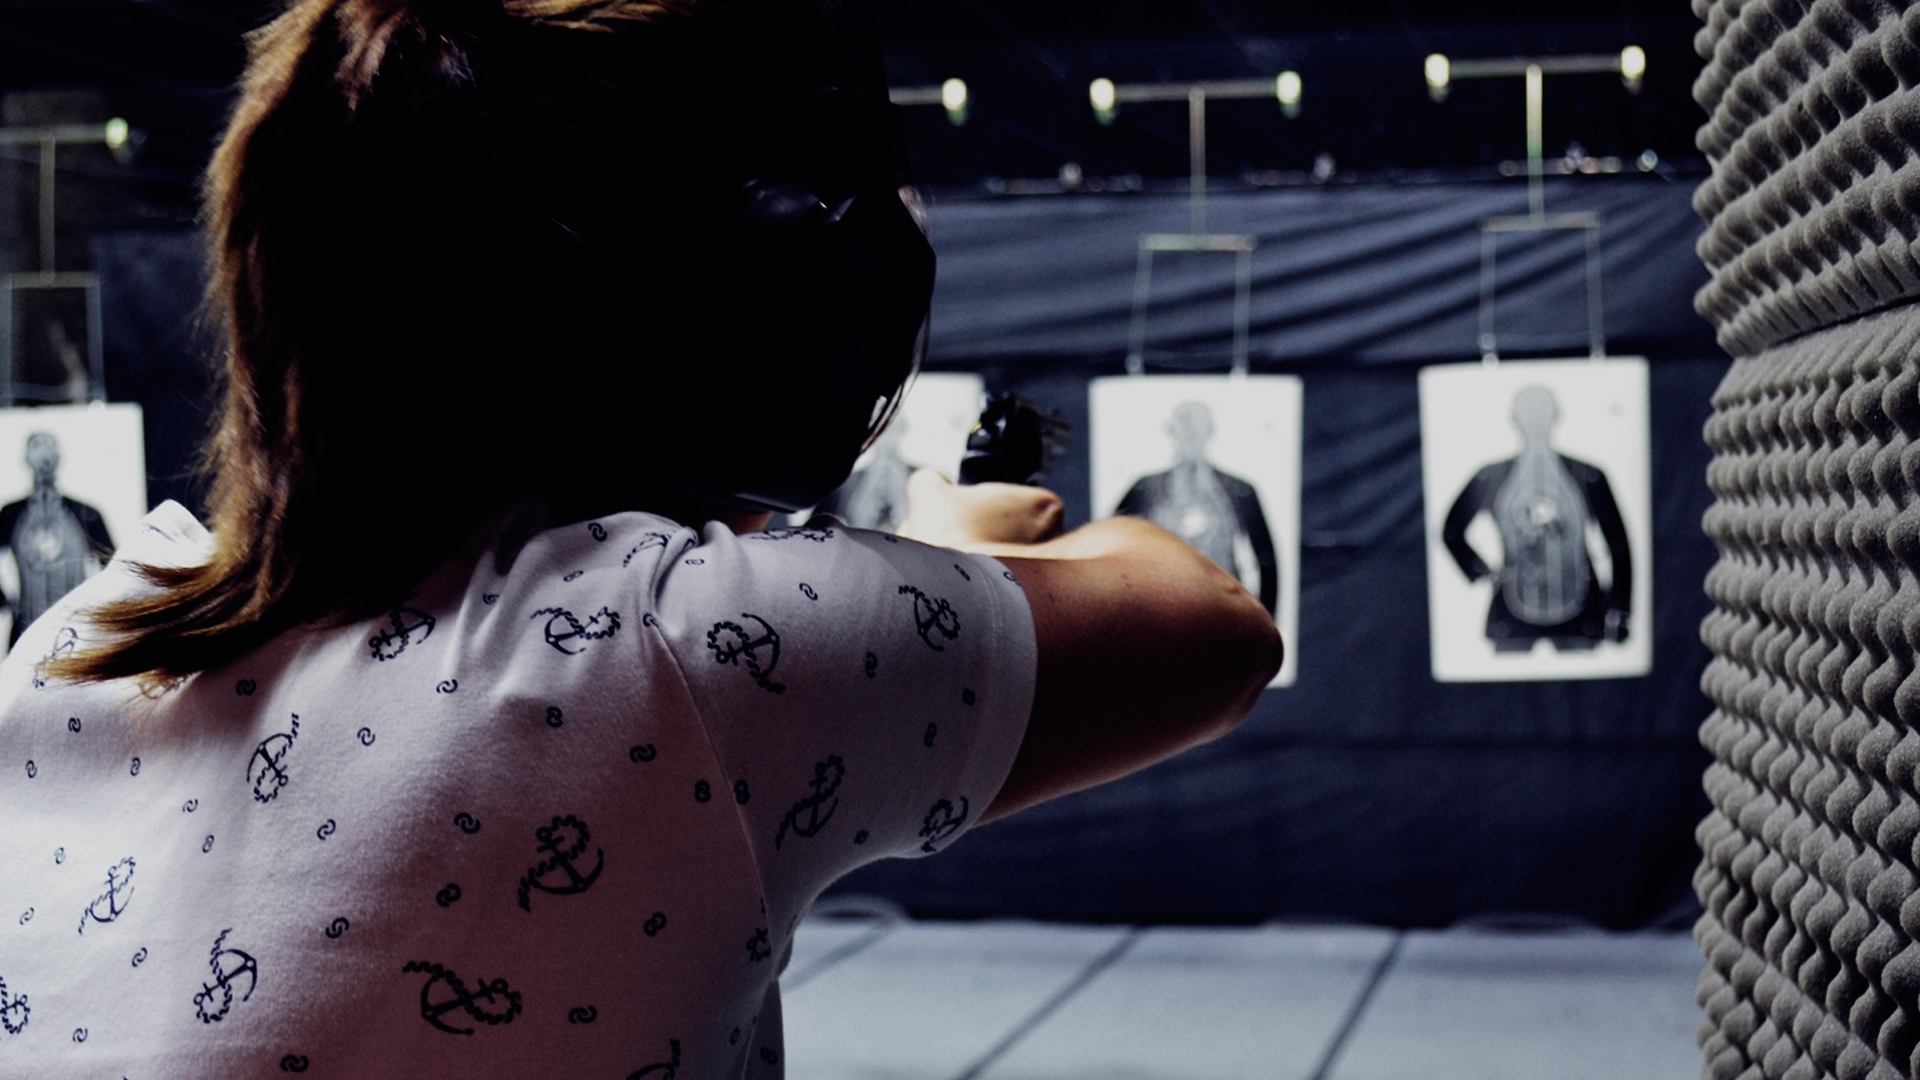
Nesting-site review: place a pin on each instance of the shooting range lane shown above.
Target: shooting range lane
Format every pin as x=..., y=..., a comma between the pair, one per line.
x=1474, y=1006
x=1011, y=1001
x=1195, y=1002
x=932, y=999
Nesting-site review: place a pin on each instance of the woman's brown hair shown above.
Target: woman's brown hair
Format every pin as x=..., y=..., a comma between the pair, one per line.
x=434, y=231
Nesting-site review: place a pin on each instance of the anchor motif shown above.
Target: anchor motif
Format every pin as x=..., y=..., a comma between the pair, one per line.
x=826, y=780
x=667, y=1069
x=403, y=623
x=761, y=654
x=563, y=626
x=931, y=616
x=493, y=993
x=758, y=948
x=267, y=769
x=647, y=540
x=942, y=822
x=227, y=966
x=108, y=905
x=64, y=642
x=571, y=833
x=792, y=532
x=14, y=1012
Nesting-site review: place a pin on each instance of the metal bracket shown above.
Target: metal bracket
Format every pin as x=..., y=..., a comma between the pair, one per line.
x=1241, y=247
x=12, y=391
x=1490, y=231
x=113, y=134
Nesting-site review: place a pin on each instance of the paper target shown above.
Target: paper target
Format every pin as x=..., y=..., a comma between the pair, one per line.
x=1538, y=514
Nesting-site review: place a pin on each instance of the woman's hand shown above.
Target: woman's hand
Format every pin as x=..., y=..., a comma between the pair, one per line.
x=942, y=513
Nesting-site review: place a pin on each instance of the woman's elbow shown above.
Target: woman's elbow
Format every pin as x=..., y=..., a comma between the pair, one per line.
x=1249, y=651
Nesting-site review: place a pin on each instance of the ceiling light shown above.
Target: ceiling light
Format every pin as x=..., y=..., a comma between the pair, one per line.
x=953, y=98
x=1103, y=96
x=1633, y=65
x=1439, y=73
x=1287, y=89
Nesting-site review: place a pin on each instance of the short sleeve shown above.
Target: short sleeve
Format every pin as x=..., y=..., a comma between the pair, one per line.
x=169, y=536
x=865, y=695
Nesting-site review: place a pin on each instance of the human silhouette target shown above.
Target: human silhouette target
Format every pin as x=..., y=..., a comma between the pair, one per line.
x=73, y=485
x=1215, y=460
x=1537, y=499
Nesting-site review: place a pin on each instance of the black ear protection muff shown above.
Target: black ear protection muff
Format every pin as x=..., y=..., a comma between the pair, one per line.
x=716, y=225
x=823, y=286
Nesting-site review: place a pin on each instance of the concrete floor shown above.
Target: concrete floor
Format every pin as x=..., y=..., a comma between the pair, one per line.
x=892, y=999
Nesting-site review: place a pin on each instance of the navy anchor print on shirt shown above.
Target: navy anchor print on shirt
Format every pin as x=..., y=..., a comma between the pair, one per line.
x=564, y=841
x=792, y=532
x=227, y=965
x=566, y=633
x=759, y=652
x=806, y=818
x=404, y=627
x=942, y=822
x=109, y=905
x=932, y=616
x=503, y=1003
x=647, y=540
x=267, y=769
x=64, y=643
x=14, y=1012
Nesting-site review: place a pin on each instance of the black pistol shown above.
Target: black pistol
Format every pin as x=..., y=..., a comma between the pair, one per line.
x=1013, y=442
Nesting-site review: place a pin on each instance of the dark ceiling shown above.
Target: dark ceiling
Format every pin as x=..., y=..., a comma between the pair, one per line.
x=167, y=66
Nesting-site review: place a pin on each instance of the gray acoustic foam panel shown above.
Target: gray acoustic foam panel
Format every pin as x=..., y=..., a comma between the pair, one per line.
x=1813, y=211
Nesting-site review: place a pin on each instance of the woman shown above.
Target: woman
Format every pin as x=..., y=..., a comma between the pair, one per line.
x=488, y=731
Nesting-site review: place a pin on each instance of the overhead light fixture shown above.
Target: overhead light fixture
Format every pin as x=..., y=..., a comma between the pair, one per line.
x=1439, y=73
x=953, y=98
x=1287, y=89
x=1633, y=66
x=1103, y=96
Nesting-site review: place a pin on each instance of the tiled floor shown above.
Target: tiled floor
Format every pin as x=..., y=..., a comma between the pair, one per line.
x=882, y=999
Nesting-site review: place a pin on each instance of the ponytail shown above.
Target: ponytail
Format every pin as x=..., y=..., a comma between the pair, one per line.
x=356, y=267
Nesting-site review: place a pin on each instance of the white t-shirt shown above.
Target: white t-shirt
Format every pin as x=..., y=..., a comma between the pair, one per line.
x=556, y=815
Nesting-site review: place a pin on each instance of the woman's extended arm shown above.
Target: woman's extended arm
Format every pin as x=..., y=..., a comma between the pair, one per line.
x=1146, y=647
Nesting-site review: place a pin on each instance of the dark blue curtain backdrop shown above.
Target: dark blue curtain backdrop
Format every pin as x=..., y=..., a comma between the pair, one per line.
x=1366, y=791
